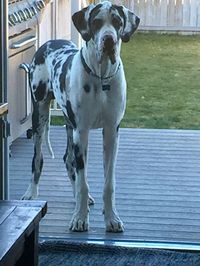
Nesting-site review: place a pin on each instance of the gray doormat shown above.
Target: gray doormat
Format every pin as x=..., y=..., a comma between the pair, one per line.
x=63, y=253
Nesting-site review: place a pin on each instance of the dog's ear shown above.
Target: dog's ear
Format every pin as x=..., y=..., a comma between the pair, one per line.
x=131, y=22
x=80, y=20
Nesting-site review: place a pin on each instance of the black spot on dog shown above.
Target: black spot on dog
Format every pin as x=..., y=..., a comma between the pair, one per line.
x=35, y=116
x=63, y=76
x=53, y=62
x=86, y=88
x=65, y=67
x=70, y=114
x=120, y=11
x=78, y=158
x=51, y=95
x=33, y=163
x=70, y=59
x=68, y=51
x=95, y=11
x=116, y=22
x=65, y=157
x=66, y=152
x=106, y=87
x=30, y=77
x=41, y=55
x=95, y=24
x=40, y=91
x=57, y=65
x=74, y=177
x=41, y=162
x=58, y=44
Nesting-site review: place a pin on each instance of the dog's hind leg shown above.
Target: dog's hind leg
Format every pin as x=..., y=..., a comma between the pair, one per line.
x=40, y=118
x=48, y=143
x=68, y=158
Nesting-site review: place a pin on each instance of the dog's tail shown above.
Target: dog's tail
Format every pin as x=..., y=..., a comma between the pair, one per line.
x=48, y=143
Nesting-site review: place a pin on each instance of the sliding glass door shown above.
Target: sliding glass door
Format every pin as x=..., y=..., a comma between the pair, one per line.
x=3, y=100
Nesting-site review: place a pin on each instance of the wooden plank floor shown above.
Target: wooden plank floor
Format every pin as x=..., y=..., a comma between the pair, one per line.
x=158, y=185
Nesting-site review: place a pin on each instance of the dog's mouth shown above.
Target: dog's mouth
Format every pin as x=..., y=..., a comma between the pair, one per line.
x=111, y=55
x=109, y=48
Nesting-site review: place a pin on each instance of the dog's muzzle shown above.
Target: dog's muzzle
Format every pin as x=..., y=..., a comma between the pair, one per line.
x=109, y=47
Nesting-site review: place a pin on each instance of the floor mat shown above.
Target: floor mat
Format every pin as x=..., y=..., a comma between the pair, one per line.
x=63, y=253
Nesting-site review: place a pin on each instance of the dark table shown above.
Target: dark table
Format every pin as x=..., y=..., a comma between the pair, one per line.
x=19, y=226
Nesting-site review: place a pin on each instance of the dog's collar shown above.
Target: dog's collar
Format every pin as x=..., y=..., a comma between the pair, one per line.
x=105, y=86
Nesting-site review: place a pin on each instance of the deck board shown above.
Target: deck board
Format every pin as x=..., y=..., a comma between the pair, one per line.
x=157, y=192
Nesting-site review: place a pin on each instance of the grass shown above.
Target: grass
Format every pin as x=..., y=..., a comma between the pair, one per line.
x=163, y=77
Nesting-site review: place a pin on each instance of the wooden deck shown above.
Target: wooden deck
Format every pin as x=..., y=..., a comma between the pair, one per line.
x=158, y=185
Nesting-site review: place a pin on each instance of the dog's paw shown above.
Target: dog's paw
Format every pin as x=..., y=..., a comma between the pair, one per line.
x=113, y=223
x=91, y=200
x=79, y=223
x=31, y=193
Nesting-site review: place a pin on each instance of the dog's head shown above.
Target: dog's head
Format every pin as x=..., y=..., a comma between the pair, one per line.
x=105, y=24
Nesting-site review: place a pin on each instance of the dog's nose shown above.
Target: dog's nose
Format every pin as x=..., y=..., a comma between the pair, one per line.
x=108, y=42
x=137, y=21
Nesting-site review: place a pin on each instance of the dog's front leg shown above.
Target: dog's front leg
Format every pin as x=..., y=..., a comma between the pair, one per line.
x=112, y=220
x=80, y=218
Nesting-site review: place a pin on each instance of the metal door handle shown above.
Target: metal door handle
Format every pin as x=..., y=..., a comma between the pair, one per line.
x=26, y=68
x=20, y=44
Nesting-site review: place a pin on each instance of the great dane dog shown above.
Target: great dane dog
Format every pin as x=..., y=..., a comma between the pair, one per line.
x=90, y=87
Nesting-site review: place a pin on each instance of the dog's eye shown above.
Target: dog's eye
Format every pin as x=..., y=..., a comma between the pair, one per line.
x=117, y=23
x=97, y=24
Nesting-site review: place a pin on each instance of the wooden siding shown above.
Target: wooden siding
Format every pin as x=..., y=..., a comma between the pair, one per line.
x=158, y=185
x=56, y=21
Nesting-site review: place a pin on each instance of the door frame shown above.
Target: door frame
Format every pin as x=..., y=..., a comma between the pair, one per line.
x=4, y=179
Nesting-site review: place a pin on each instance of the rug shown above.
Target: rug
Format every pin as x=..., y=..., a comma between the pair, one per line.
x=64, y=253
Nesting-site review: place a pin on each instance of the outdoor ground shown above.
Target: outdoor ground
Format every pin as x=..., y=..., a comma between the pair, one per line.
x=163, y=76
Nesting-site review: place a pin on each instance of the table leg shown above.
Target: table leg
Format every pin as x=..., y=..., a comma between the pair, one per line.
x=30, y=254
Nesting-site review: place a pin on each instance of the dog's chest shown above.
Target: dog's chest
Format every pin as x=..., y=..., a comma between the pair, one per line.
x=95, y=106
x=92, y=101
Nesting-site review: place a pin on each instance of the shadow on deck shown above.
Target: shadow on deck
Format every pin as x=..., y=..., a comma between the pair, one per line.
x=157, y=192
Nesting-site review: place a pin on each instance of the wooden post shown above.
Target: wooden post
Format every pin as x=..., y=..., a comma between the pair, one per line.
x=163, y=14
x=193, y=13
x=198, y=13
